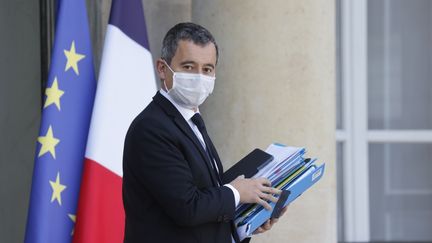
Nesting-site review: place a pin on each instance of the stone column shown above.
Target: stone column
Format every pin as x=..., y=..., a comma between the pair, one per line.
x=276, y=83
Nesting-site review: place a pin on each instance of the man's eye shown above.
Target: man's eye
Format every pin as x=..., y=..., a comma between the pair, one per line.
x=208, y=70
x=187, y=67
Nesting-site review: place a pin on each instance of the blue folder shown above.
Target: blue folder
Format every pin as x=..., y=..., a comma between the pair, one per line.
x=245, y=227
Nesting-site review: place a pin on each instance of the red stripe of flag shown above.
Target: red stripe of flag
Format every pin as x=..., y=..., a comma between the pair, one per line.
x=101, y=192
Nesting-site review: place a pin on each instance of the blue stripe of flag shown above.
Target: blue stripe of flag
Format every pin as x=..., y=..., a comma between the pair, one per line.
x=125, y=14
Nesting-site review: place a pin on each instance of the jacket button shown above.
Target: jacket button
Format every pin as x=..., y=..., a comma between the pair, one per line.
x=225, y=218
x=219, y=218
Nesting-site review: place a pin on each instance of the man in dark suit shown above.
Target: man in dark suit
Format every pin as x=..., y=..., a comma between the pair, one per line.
x=173, y=189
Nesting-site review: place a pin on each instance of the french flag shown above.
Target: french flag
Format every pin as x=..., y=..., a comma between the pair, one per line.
x=126, y=85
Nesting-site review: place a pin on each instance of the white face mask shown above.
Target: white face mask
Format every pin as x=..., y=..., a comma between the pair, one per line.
x=190, y=89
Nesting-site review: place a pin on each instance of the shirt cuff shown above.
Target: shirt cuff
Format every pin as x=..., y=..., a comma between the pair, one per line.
x=236, y=194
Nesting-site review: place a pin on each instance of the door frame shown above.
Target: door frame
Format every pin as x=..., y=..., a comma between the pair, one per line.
x=353, y=135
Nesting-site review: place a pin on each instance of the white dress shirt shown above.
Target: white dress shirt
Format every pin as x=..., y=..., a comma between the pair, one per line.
x=187, y=115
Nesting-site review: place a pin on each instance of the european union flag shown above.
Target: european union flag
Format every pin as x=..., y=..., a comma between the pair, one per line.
x=63, y=132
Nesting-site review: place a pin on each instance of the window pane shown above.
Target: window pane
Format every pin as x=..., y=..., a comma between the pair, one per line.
x=400, y=64
x=340, y=188
x=339, y=83
x=400, y=190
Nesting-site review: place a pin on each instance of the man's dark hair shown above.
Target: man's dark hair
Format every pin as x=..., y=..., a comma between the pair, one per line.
x=189, y=32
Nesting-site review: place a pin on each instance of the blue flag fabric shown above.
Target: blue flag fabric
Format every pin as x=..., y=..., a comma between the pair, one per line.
x=62, y=138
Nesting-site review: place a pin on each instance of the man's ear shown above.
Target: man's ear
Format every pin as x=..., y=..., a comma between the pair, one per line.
x=161, y=69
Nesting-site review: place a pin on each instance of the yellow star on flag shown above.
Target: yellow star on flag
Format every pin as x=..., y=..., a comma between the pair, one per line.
x=53, y=95
x=73, y=58
x=73, y=218
x=57, y=189
x=48, y=143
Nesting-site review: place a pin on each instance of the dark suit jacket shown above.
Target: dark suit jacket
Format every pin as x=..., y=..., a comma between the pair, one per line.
x=170, y=191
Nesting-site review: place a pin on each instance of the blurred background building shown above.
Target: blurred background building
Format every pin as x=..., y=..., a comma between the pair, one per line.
x=349, y=79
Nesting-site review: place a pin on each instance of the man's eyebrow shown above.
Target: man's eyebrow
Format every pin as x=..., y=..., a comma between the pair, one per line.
x=192, y=62
x=187, y=62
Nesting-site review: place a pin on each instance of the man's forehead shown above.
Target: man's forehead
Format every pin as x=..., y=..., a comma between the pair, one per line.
x=189, y=51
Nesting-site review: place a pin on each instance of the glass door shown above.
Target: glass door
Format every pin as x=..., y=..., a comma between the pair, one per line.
x=400, y=119
x=385, y=120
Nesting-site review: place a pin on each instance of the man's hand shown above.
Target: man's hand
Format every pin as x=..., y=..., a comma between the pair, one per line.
x=269, y=223
x=257, y=190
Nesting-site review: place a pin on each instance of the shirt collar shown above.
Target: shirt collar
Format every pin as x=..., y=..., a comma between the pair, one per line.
x=185, y=112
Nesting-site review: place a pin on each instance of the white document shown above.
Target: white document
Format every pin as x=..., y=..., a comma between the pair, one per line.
x=280, y=153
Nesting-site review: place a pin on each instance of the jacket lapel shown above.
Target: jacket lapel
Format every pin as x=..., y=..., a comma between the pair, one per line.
x=185, y=128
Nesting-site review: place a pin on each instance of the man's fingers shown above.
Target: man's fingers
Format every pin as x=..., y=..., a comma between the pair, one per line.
x=267, y=225
x=264, y=204
x=264, y=181
x=263, y=228
x=268, y=197
x=272, y=198
x=259, y=231
x=274, y=221
x=271, y=190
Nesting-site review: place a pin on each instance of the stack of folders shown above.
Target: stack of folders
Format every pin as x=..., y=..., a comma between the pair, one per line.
x=286, y=168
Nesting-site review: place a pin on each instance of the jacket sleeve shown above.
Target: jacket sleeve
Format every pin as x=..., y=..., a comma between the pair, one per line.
x=156, y=163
